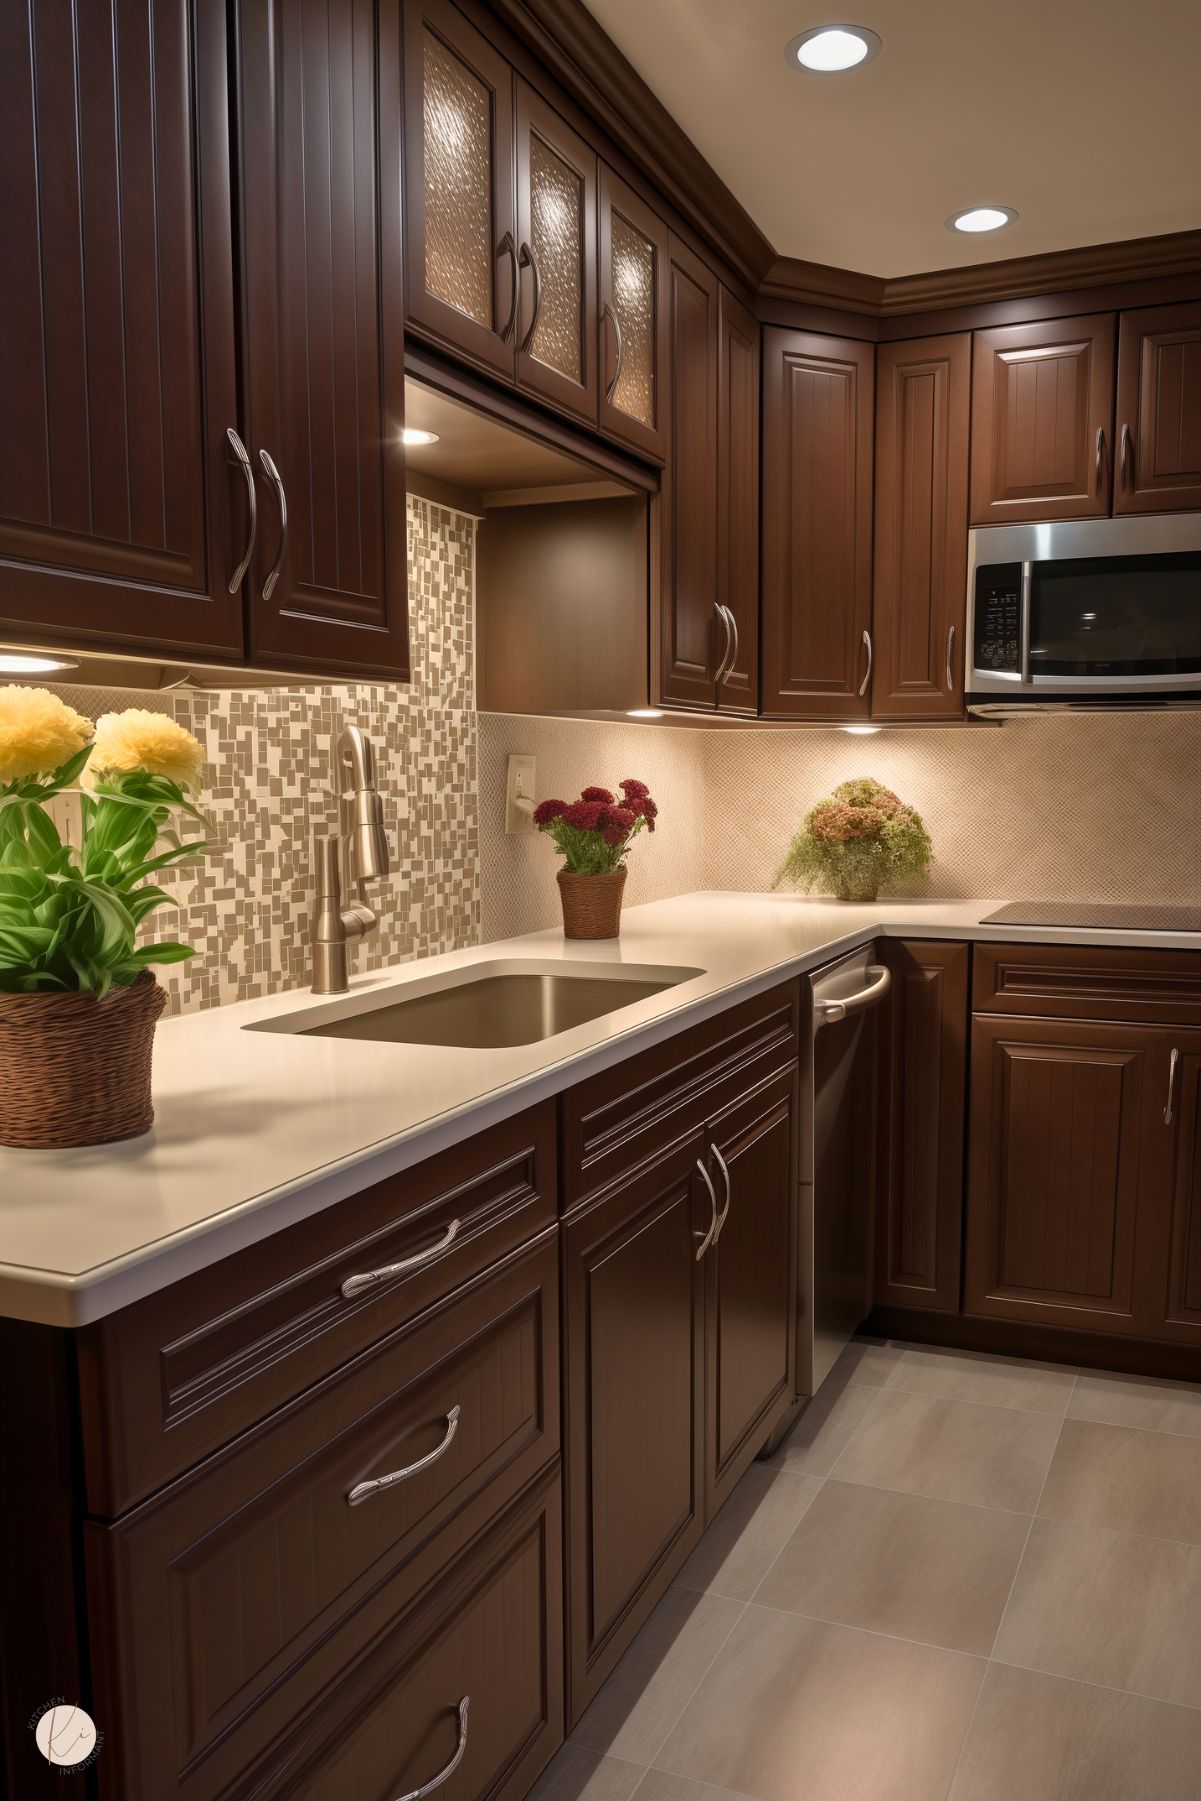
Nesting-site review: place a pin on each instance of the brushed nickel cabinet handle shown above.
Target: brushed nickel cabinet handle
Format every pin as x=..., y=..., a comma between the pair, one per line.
x=277, y=482
x=528, y=260
x=733, y=663
x=1100, y=454
x=1173, y=1065
x=356, y=1284
x=619, y=351
x=727, y=655
x=427, y=1788
x=362, y=1491
x=724, y=1167
x=951, y=661
x=237, y=455
x=830, y=1013
x=707, y=1238
x=867, y=645
x=508, y=248
x=1124, y=457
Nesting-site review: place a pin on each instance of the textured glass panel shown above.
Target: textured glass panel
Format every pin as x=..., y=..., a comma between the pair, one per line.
x=556, y=237
x=458, y=184
x=634, y=304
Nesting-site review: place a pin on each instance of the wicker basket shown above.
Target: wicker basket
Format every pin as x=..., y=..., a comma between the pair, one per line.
x=75, y=1070
x=591, y=904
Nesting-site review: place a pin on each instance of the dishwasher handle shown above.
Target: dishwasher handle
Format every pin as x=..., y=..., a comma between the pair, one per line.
x=828, y=1013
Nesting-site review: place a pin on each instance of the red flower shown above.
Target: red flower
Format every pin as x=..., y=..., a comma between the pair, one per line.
x=617, y=824
x=643, y=807
x=601, y=794
x=546, y=810
x=583, y=815
x=634, y=790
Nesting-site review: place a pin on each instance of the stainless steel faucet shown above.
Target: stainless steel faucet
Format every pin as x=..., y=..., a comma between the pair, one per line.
x=346, y=861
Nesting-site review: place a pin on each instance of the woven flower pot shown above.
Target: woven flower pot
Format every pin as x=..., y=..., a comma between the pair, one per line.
x=75, y=1070
x=860, y=888
x=591, y=904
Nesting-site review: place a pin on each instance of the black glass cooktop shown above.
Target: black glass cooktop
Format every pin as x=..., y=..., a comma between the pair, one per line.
x=1103, y=914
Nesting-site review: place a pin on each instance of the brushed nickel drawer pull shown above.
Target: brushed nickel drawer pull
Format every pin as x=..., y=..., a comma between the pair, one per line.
x=867, y=674
x=427, y=1788
x=356, y=1284
x=707, y=1238
x=725, y=1172
x=1173, y=1065
x=362, y=1491
x=951, y=661
x=727, y=655
x=277, y=482
x=237, y=455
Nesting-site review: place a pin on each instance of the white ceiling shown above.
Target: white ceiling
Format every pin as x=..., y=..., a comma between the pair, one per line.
x=1085, y=115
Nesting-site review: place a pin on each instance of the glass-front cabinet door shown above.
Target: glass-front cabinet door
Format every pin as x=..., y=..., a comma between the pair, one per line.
x=556, y=259
x=633, y=319
x=461, y=267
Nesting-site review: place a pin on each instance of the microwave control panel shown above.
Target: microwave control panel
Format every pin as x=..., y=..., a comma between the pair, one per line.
x=998, y=622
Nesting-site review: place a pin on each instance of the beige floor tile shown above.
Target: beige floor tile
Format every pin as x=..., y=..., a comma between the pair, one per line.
x=750, y=1531
x=1136, y=1401
x=646, y=1693
x=867, y=1360
x=1039, y=1738
x=1108, y=1607
x=578, y=1775
x=903, y=1564
x=1146, y=1482
x=953, y=1450
x=660, y=1785
x=797, y=1710
x=825, y=1428
x=999, y=1381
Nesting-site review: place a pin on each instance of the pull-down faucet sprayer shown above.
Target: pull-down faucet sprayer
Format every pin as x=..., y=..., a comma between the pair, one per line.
x=346, y=862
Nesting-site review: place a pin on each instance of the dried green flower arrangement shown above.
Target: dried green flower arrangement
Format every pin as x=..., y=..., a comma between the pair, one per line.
x=858, y=839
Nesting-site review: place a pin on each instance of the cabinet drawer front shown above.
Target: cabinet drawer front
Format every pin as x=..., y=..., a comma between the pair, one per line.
x=249, y=1576
x=617, y=1120
x=1073, y=981
x=177, y=1375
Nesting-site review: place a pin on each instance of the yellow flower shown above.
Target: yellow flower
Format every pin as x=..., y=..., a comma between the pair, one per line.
x=138, y=739
x=38, y=731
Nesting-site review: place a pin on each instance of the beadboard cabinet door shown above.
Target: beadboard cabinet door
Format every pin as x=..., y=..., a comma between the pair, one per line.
x=123, y=506
x=1159, y=409
x=738, y=500
x=323, y=331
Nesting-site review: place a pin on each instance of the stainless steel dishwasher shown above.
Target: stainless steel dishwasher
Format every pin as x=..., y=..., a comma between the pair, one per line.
x=838, y=1160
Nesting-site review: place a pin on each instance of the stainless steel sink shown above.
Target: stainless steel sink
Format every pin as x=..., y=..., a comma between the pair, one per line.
x=486, y=1007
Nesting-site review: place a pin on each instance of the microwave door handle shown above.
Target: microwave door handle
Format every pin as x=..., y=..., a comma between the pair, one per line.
x=1024, y=623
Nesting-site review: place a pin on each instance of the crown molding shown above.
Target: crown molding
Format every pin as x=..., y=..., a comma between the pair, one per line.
x=585, y=61
x=1019, y=277
x=818, y=284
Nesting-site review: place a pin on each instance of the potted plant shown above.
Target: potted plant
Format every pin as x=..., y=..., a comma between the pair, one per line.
x=855, y=841
x=78, y=998
x=593, y=835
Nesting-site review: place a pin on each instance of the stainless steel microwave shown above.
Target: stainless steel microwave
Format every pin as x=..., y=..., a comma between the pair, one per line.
x=1084, y=614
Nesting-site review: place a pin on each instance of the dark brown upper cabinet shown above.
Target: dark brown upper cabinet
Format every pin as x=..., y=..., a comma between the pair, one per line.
x=461, y=255
x=123, y=509
x=919, y=1217
x=817, y=526
x=1042, y=420
x=923, y=390
x=1159, y=409
x=323, y=334
x=693, y=635
x=556, y=259
x=738, y=501
x=633, y=319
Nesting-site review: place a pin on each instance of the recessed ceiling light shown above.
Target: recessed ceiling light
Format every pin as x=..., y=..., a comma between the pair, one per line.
x=982, y=218
x=18, y=663
x=644, y=713
x=413, y=436
x=828, y=49
x=859, y=731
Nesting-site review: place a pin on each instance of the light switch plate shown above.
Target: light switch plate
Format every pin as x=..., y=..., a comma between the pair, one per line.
x=519, y=794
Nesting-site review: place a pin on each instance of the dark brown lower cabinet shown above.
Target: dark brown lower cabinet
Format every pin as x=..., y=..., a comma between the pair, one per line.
x=1182, y=1120
x=634, y=1323
x=920, y=1193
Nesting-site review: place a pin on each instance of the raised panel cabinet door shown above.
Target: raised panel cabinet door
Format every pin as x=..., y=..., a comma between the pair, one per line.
x=323, y=346
x=633, y=1334
x=1181, y=1123
x=751, y=1279
x=1042, y=420
x=556, y=259
x=919, y=1220
x=693, y=636
x=817, y=526
x=919, y=605
x=1159, y=409
x=461, y=274
x=124, y=510
x=738, y=500
x=1058, y=1210
x=633, y=319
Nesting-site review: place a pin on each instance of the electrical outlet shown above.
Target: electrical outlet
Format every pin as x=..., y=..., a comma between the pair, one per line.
x=519, y=794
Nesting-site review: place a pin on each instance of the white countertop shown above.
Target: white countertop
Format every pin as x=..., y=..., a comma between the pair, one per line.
x=255, y=1130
